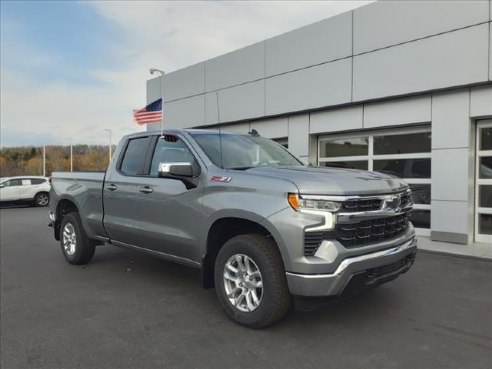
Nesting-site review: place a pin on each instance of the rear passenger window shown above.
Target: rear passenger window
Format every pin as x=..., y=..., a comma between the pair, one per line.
x=134, y=156
x=36, y=181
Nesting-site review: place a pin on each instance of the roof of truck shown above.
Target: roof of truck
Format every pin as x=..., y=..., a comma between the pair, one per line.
x=177, y=130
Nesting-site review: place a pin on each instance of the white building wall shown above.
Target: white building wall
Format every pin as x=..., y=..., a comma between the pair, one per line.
x=452, y=167
x=398, y=112
x=298, y=135
x=273, y=128
x=410, y=21
x=481, y=101
x=302, y=48
x=323, y=85
x=335, y=120
x=451, y=59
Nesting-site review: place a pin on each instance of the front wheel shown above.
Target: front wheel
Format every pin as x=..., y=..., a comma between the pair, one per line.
x=42, y=199
x=250, y=281
x=77, y=248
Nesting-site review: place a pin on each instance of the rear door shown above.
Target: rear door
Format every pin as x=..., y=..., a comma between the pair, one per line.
x=122, y=210
x=26, y=190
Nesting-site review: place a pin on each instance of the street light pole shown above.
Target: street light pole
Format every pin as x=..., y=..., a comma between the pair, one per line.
x=110, y=144
x=44, y=160
x=71, y=154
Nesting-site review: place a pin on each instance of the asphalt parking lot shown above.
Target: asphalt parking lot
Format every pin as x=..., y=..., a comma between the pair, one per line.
x=127, y=310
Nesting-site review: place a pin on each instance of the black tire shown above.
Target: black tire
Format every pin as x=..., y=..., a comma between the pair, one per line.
x=84, y=248
x=42, y=199
x=275, y=297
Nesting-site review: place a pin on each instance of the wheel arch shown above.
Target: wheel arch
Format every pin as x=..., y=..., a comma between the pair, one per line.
x=63, y=207
x=219, y=233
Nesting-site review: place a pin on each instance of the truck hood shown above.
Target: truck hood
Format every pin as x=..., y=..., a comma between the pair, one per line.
x=334, y=181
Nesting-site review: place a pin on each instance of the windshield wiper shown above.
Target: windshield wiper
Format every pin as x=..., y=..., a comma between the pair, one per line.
x=240, y=168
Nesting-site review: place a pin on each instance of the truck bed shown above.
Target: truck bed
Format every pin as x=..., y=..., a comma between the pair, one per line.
x=84, y=189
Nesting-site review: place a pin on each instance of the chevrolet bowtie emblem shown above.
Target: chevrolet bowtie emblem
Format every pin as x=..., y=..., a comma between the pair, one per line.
x=394, y=202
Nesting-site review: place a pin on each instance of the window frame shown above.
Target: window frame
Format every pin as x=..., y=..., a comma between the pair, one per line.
x=141, y=166
x=11, y=180
x=153, y=147
x=371, y=157
x=478, y=210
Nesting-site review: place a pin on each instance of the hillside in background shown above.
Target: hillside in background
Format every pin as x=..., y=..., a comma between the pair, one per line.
x=16, y=161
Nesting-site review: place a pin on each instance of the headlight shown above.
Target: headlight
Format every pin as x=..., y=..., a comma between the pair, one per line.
x=299, y=203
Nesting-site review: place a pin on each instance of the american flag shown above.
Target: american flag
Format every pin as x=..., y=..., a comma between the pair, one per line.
x=152, y=113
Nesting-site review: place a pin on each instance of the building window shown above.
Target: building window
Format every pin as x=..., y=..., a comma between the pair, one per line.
x=405, y=153
x=483, y=183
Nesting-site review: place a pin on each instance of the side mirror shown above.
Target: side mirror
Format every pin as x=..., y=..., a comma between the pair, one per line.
x=176, y=170
x=2, y=185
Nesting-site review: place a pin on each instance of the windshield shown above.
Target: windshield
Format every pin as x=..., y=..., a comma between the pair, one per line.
x=244, y=152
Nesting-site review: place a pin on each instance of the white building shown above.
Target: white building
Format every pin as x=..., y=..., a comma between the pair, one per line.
x=404, y=87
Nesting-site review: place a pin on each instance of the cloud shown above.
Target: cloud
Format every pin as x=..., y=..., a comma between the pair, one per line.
x=165, y=35
x=50, y=113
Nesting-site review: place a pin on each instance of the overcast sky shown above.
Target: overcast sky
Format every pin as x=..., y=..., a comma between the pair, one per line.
x=73, y=69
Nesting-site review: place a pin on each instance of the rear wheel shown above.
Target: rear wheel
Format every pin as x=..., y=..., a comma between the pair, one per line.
x=250, y=281
x=77, y=248
x=42, y=199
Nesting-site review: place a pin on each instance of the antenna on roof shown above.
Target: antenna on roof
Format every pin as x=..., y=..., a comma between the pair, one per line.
x=220, y=133
x=254, y=132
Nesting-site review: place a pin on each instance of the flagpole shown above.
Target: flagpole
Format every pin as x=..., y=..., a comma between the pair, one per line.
x=162, y=103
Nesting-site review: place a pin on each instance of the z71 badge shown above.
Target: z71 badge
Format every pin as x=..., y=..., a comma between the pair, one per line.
x=220, y=179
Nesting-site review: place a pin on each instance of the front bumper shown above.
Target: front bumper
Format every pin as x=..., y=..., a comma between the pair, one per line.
x=401, y=256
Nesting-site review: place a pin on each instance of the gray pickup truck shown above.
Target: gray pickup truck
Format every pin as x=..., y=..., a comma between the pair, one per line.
x=262, y=226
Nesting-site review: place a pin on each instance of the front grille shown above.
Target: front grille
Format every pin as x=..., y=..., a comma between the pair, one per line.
x=358, y=234
x=365, y=232
x=370, y=204
x=370, y=231
x=387, y=270
x=356, y=205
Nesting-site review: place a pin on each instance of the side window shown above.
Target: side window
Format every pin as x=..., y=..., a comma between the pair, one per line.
x=170, y=149
x=26, y=182
x=36, y=181
x=134, y=156
x=13, y=182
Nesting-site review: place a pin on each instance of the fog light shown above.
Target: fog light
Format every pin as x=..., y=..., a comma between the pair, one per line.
x=328, y=251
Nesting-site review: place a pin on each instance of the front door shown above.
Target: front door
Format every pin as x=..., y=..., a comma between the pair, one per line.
x=10, y=190
x=483, y=183
x=170, y=210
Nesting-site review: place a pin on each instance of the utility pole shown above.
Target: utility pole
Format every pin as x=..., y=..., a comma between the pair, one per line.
x=110, y=144
x=44, y=160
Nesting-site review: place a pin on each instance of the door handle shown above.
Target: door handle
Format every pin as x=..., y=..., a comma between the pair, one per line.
x=146, y=189
x=111, y=187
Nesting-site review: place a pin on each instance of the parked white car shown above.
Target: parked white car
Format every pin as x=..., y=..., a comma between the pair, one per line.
x=31, y=189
